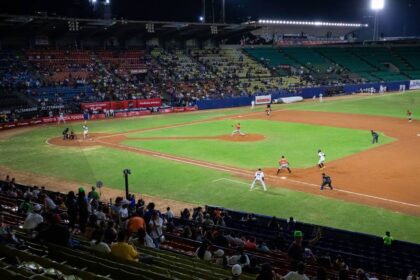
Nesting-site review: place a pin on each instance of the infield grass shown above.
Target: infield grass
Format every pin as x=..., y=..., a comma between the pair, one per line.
x=173, y=180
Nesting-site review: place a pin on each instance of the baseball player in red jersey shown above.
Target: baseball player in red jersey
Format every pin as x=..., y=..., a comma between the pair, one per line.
x=238, y=130
x=283, y=163
x=410, y=116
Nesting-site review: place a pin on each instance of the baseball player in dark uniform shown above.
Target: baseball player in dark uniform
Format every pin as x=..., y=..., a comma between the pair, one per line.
x=326, y=181
x=375, y=137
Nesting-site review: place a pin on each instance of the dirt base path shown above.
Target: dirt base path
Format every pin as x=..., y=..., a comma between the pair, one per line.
x=386, y=175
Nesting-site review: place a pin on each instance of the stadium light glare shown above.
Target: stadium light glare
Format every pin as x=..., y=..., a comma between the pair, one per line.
x=377, y=5
x=107, y=2
x=310, y=23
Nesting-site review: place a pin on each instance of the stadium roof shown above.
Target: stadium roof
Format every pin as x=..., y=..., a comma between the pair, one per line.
x=11, y=25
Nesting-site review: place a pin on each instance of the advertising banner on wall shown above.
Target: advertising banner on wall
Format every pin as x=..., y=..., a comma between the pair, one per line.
x=415, y=84
x=262, y=99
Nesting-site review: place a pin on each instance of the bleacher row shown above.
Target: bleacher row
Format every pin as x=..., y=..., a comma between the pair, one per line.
x=174, y=259
x=372, y=64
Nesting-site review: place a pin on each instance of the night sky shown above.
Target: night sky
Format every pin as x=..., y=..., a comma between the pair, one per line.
x=400, y=17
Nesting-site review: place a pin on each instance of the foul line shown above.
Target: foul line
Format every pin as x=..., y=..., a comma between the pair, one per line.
x=234, y=170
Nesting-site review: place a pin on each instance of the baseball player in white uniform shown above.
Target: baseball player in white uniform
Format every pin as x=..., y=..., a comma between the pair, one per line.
x=61, y=117
x=85, y=131
x=321, y=160
x=259, y=177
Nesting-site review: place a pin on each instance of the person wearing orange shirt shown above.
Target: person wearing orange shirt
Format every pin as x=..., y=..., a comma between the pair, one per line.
x=283, y=163
x=135, y=223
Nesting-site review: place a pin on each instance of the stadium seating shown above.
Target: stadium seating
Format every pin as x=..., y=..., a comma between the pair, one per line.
x=174, y=260
x=231, y=63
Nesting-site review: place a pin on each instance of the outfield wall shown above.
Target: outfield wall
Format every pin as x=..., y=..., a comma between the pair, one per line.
x=303, y=92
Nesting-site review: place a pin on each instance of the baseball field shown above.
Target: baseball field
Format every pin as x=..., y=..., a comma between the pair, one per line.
x=191, y=159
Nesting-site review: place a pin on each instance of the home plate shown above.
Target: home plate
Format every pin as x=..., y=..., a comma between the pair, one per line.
x=284, y=178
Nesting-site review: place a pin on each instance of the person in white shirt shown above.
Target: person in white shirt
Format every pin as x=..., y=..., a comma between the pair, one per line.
x=61, y=118
x=297, y=275
x=156, y=226
x=203, y=252
x=321, y=160
x=169, y=215
x=85, y=131
x=98, y=245
x=259, y=177
x=33, y=219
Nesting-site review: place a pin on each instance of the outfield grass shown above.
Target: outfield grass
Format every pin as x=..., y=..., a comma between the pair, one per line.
x=290, y=139
x=392, y=105
x=183, y=182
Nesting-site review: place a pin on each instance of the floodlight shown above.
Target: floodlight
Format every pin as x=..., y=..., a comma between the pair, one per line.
x=107, y=2
x=377, y=5
x=201, y=18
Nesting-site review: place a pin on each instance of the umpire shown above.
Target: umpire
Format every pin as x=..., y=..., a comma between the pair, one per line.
x=375, y=137
x=326, y=181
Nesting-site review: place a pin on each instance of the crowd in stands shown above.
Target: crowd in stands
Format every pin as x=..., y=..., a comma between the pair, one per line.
x=131, y=229
x=69, y=76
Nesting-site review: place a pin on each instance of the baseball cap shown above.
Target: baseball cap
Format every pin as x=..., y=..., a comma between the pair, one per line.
x=236, y=270
x=219, y=253
x=298, y=233
x=81, y=189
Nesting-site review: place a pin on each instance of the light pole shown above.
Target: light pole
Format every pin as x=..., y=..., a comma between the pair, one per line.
x=376, y=6
x=126, y=172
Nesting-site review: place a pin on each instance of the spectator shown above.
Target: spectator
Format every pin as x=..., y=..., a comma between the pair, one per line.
x=388, y=239
x=110, y=233
x=240, y=258
x=236, y=272
x=26, y=205
x=267, y=273
x=169, y=214
x=413, y=275
x=33, y=219
x=219, y=257
x=297, y=250
x=55, y=232
x=144, y=239
x=82, y=207
x=71, y=205
x=299, y=274
x=250, y=244
x=97, y=243
x=135, y=223
x=203, y=252
x=156, y=227
x=123, y=250
x=362, y=275
x=93, y=194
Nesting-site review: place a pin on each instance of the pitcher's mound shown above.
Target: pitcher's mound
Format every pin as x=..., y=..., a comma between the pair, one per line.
x=79, y=142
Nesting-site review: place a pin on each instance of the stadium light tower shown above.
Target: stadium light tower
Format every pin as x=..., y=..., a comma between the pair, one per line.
x=376, y=6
